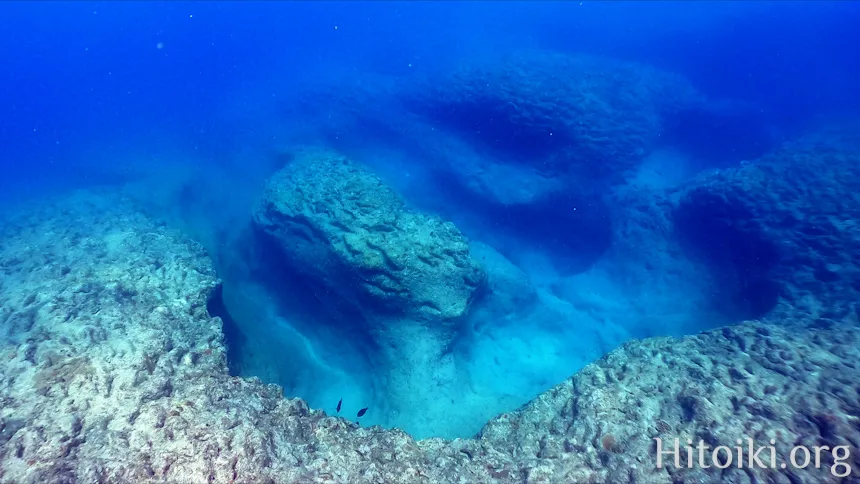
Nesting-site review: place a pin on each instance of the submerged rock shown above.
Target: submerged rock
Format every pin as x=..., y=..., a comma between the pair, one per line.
x=403, y=281
x=120, y=375
x=780, y=387
x=342, y=228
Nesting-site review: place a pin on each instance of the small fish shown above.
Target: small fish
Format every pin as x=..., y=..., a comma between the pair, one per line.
x=339, y=402
x=362, y=411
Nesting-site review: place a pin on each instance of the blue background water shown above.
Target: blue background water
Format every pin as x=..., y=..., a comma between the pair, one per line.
x=157, y=94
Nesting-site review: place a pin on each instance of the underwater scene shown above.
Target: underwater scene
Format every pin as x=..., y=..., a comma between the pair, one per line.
x=430, y=242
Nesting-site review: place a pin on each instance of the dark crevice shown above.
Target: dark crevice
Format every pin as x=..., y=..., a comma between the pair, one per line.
x=723, y=233
x=234, y=339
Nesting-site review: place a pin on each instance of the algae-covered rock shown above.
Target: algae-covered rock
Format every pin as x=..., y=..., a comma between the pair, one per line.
x=341, y=226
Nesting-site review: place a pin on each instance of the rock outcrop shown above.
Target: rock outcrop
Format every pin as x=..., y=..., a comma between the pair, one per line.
x=794, y=385
x=340, y=226
x=403, y=281
x=780, y=233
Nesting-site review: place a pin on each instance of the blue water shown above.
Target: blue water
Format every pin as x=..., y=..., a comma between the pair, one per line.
x=191, y=106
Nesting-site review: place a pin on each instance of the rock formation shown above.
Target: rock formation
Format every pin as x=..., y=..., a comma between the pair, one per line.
x=405, y=280
x=579, y=119
x=342, y=228
x=113, y=372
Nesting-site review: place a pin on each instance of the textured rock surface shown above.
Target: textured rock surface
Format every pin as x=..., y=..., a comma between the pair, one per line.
x=781, y=232
x=112, y=371
x=338, y=223
x=104, y=325
x=577, y=116
x=524, y=129
x=796, y=386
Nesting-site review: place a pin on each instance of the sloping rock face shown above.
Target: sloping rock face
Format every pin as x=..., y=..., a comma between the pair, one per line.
x=508, y=290
x=106, y=342
x=341, y=226
x=781, y=233
x=113, y=372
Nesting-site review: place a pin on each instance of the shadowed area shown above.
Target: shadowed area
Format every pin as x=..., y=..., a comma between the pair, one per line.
x=739, y=253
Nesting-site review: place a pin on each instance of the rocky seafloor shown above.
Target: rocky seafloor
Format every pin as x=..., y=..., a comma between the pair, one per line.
x=113, y=370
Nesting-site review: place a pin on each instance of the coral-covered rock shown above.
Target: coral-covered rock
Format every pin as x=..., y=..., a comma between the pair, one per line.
x=404, y=281
x=340, y=226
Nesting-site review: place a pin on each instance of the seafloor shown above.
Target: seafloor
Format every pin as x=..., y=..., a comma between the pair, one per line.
x=112, y=368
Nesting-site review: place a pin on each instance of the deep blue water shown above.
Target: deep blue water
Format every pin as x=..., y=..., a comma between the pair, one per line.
x=194, y=103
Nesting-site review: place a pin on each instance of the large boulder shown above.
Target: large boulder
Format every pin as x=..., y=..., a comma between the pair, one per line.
x=401, y=281
x=341, y=227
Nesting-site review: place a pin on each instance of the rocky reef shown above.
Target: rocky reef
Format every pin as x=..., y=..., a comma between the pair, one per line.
x=537, y=134
x=397, y=282
x=792, y=385
x=105, y=332
x=112, y=368
x=113, y=371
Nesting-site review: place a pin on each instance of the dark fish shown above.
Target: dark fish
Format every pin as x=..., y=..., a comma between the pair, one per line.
x=362, y=411
x=338, y=404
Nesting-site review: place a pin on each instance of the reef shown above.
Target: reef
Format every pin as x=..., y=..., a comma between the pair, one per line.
x=113, y=368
